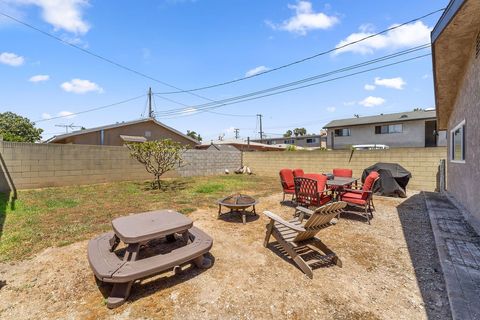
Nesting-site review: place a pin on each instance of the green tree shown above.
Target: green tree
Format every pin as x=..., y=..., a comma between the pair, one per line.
x=288, y=134
x=17, y=128
x=158, y=157
x=194, y=135
x=299, y=132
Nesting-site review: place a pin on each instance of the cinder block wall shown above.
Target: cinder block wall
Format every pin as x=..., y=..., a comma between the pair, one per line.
x=421, y=162
x=45, y=165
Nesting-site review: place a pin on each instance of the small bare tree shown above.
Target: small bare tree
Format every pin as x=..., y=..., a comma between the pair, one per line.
x=158, y=157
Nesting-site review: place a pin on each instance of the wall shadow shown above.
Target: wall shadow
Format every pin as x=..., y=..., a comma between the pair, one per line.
x=5, y=201
x=421, y=247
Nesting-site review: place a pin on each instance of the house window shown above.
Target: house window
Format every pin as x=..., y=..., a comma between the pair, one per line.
x=148, y=134
x=477, y=51
x=311, y=140
x=289, y=141
x=389, y=128
x=342, y=132
x=457, y=143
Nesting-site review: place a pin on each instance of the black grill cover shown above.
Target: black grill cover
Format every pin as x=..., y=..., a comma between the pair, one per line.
x=393, y=179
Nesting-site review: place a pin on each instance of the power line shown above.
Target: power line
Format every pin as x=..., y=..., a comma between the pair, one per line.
x=304, y=59
x=98, y=56
x=323, y=75
x=92, y=109
x=191, y=91
x=232, y=100
x=305, y=86
x=189, y=107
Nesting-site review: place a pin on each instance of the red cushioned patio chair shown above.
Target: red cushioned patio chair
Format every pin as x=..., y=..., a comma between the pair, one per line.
x=362, y=197
x=344, y=173
x=298, y=173
x=288, y=184
x=311, y=191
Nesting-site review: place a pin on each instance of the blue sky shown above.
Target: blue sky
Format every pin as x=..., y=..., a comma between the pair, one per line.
x=191, y=44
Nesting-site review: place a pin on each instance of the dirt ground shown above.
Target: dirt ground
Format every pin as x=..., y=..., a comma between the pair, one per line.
x=390, y=271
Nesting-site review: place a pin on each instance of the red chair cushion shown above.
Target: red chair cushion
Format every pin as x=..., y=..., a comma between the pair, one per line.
x=321, y=180
x=346, y=173
x=286, y=177
x=353, y=197
x=368, y=184
x=298, y=173
x=289, y=190
x=323, y=200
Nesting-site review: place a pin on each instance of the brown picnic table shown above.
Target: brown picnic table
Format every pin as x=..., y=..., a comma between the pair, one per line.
x=136, y=231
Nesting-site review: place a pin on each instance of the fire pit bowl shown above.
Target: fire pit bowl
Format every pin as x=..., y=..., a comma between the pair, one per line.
x=237, y=203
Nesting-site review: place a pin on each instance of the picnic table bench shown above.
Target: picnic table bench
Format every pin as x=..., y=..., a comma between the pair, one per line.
x=138, y=230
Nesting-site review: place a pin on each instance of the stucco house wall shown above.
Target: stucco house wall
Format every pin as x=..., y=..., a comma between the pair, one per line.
x=413, y=135
x=464, y=178
x=112, y=135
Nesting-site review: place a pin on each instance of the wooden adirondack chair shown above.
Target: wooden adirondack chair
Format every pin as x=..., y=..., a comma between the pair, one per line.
x=297, y=237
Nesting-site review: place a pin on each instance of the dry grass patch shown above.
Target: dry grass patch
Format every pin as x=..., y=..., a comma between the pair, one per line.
x=48, y=217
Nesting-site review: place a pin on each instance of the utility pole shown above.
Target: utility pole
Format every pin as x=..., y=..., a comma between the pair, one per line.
x=261, y=131
x=237, y=133
x=150, y=110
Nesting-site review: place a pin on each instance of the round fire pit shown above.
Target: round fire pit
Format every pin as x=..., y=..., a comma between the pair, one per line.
x=237, y=203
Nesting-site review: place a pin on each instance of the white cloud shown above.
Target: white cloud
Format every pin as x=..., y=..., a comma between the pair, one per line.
x=304, y=20
x=81, y=86
x=349, y=103
x=409, y=35
x=426, y=76
x=331, y=109
x=62, y=14
x=11, y=59
x=46, y=116
x=372, y=101
x=369, y=87
x=394, y=83
x=230, y=130
x=39, y=78
x=256, y=70
x=66, y=114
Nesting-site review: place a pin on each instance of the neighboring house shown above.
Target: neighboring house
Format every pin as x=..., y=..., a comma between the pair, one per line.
x=119, y=133
x=307, y=141
x=221, y=147
x=403, y=129
x=456, y=61
x=239, y=144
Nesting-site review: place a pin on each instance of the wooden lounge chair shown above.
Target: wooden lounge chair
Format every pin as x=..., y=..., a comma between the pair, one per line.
x=295, y=236
x=310, y=190
x=363, y=197
x=288, y=185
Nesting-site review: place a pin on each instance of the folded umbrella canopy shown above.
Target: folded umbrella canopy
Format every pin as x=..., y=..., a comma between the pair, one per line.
x=393, y=179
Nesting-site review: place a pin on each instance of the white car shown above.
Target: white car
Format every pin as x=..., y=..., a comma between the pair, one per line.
x=370, y=146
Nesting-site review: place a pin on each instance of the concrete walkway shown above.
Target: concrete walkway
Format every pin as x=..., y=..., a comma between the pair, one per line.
x=459, y=251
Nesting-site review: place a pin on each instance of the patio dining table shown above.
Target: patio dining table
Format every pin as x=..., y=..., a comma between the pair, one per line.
x=337, y=184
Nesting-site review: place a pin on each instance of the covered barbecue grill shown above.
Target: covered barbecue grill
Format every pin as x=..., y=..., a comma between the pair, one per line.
x=393, y=179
